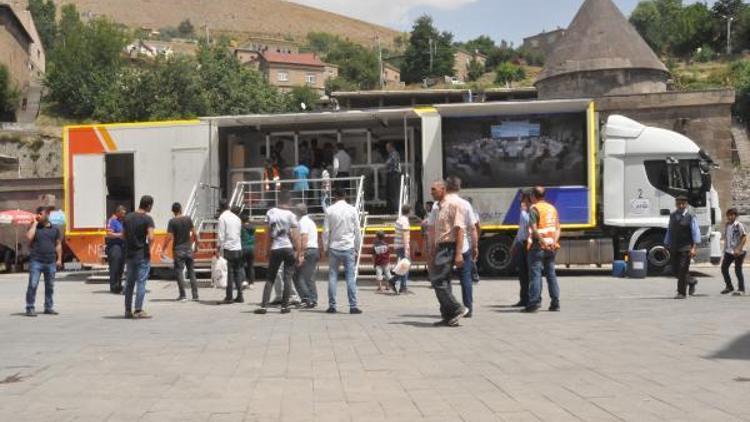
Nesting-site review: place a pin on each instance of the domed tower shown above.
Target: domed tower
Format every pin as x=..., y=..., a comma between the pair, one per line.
x=601, y=54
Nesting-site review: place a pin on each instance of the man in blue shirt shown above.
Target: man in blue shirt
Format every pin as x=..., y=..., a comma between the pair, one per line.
x=683, y=235
x=302, y=174
x=115, y=249
x=519, y=250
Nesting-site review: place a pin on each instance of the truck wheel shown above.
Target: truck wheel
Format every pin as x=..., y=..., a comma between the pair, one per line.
x=495, y=256
x=657, y=253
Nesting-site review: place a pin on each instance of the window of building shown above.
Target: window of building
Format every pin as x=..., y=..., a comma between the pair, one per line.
x=283, y=76
x=311, y=78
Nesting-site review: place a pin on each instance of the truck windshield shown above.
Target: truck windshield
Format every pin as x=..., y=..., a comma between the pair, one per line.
x=683, y=178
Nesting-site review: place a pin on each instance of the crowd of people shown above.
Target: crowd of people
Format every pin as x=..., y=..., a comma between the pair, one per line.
x=451, y=228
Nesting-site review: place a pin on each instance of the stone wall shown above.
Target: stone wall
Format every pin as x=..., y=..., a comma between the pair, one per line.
x=40, y=154
x=602, y=83
x=703, y=116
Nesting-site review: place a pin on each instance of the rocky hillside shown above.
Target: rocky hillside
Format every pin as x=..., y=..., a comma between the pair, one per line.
x=275, y=18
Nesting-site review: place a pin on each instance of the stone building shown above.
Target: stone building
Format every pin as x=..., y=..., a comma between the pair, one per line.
x=544, y=42
x=603, y=57
x=23, y=55
x=287, y=71
x=391, y=75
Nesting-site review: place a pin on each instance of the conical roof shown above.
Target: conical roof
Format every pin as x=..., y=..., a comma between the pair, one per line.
x=600, y=38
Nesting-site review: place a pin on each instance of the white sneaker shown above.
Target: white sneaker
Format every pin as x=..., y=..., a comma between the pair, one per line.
x=738, y=293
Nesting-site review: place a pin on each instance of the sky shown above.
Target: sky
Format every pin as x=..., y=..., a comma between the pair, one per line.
x=511, y=20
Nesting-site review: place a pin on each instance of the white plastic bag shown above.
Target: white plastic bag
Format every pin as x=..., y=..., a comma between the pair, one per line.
x=402, y=267
x=219, y=272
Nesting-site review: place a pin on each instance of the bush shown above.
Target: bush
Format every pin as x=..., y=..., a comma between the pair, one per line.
x=704, y=54
x=507, y=73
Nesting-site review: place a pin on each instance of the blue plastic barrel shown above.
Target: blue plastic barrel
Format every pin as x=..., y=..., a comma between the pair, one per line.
x=638, y=264
x=618, y=269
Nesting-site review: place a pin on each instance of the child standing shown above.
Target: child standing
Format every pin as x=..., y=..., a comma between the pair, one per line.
x=735, y=237
x=382, y=255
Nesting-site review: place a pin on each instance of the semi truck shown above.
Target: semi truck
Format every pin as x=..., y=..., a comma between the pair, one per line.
x=614, y=181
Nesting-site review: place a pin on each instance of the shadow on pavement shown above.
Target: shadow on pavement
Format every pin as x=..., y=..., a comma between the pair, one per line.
x=114, y=317
x=418, y=324
x=417, y=316
x=739, y=349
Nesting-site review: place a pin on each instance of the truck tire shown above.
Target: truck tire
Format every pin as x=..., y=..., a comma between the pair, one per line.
x=657, y=253
x=495, y=256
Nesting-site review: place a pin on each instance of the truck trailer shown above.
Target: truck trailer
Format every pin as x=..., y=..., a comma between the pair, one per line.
x=613, y=182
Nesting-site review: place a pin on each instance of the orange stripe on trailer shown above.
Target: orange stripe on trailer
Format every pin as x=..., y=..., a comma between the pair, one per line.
x=107, y=138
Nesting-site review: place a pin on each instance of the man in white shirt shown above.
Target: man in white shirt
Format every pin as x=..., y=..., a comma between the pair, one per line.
x=304, y=277
x=342, y=166
x=341, y=238
x=470, y=249
x=229, y=246
x=284, y=247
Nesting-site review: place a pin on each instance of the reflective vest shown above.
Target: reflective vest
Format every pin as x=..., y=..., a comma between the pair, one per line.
x=546, y=226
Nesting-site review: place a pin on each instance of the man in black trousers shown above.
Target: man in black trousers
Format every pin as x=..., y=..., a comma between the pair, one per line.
x=683, y=235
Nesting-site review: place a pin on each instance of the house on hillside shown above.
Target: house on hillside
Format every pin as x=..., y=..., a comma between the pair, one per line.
x=391, y=75
x=272, y=45
x=462, y=60
x=23, y=55
x=289, y=70
x=151, y=49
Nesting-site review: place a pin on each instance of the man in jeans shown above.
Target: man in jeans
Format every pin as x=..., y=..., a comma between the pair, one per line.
x=470, y=248
x=138, y=230
x=46, y=255
x=181, y=233
x=115, y=249
x=447, y=236
x=341, y=238
x=735, y=237
x=543, y=243
x=519, y=250
x=284, y=248
x=305, y=275
x=230, y=247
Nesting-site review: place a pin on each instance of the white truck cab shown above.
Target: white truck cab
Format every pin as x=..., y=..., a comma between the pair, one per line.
x=640, y=186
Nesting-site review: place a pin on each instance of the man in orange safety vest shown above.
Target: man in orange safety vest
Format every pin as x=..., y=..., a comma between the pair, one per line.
x=543, y=243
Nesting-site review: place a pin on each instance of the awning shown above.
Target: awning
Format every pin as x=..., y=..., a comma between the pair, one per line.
x=288, y=121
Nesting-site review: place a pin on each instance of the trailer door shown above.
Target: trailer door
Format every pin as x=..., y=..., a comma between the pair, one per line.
x=187, y=169
x=89, y=191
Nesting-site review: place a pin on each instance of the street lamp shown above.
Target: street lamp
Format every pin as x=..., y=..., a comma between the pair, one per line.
x=729, y=20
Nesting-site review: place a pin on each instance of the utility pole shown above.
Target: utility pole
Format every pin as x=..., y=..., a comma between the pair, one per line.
x=381, y=77
x=431, y=55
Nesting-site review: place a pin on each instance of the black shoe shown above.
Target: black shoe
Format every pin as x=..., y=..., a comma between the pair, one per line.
x=555, y=307
x=275, y=302
x=469, y=315
x=195, y=299
x=30, y=313
x=51, y=312
x=227, y=300
x=128, y=315
x=239, y=299
x=392, y=284
x=331, y=310
x=310, y=305
x=519, y=304
x=441, y=323
x=461, y=313
x=691, y=289
x=285, y=310
x=355, y=311
x=727, y=290
x=530, y=309
x=260, y=311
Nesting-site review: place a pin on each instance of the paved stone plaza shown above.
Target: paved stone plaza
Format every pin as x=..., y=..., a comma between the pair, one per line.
x=620, y=350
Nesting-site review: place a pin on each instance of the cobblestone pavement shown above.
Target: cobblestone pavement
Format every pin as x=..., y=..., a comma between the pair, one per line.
x=619, y=350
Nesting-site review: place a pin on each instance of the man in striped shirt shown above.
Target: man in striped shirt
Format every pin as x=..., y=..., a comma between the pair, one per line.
x=401, y=246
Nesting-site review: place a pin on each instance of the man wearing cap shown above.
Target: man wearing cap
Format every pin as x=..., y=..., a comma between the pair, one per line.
x=683, y=235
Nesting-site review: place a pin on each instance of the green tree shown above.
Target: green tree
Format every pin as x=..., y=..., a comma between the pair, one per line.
x=740, y=78
x=340, y=84
x=304, y=95
x=430, y=53
x=736, y=10
x=482, y=44
x=44, y=14
x=475, y=70
x=8, y=95
x=85, y=61
x=646, y=18
x=357, y=64
x=186, y=29
x=507, y=73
